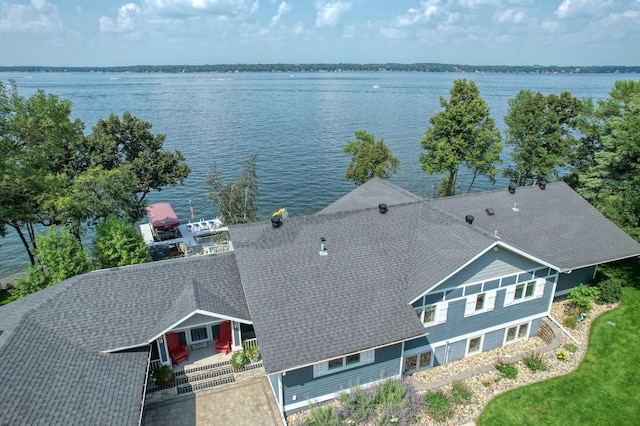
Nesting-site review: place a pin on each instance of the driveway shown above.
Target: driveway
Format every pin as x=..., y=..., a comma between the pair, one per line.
x=246, y=403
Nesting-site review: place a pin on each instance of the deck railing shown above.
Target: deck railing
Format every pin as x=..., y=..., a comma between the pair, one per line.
x=154, y=364
x=250, y=342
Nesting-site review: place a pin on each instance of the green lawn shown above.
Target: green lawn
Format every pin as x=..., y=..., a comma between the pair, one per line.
x=604, y=390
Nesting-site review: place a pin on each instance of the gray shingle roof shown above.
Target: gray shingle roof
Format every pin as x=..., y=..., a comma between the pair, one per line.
x=53, y=369
x=555, y=224
x=307, y=307
x=371, y=193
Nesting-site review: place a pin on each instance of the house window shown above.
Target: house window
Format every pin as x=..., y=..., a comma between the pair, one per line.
x=517, y=332
x=433, y=314
x=344, y=363
x=199, y=334
x=524, y=291
x=417, y=362
x=478, y=303
x=474, y=346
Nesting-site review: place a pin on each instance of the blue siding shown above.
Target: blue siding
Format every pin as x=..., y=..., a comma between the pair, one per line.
x=439, y=354
x=535, y=326
x=304, y=386
x=415, y=343
x=273, y=381
x=458, y=325
x=493, y=340
x=490, y=265
x=457, y=350
x=575, y=278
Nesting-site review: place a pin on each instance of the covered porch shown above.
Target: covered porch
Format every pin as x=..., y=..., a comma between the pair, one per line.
x=201, y=340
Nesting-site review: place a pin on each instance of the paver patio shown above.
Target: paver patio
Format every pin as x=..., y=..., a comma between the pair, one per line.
x=245, y=403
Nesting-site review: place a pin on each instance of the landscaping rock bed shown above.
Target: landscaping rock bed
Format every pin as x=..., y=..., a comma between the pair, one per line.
x=487, y=385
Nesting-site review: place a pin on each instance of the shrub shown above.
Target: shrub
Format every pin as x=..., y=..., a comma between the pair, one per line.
x=534, y=362
x=460, y=393
x=582, y=296
x=610, y=291
x=251, y=352
x=507, y=370
x=358, y=405
x=391, y=392
x=321, y=416
x=570, y=321
x=438, y=405
x=162, y=375
x=561, y=356
x=239, y=359
x=570, y=347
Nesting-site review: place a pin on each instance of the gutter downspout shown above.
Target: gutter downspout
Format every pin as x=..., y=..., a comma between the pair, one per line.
x=144, y=389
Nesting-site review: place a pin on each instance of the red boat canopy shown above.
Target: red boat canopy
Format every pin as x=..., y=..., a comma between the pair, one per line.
x=162, y=217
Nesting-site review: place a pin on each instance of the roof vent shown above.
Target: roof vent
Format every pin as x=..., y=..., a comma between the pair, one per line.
x=489, y=212
x=469, y=219
x=542, y=183
x=512, y=188
x=276, y=221
x=383, y=208
x=323, y=249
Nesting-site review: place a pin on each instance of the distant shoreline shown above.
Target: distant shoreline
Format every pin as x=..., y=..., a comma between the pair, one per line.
x=342, y=67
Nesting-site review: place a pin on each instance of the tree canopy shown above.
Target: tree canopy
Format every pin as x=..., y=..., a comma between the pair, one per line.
x=541, y=131
x=235, y=201
x=60, y=255
x=612, y=182
x=463, y=134
x=369, y=159
x=117, y=243
x=51, y=174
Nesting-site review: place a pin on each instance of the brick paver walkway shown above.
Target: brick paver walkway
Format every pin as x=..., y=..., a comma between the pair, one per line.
x=245, y=403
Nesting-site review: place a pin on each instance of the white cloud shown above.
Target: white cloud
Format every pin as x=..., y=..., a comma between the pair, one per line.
x=125, y=21
x=283, y=9
x=573, y=8
x=37, y=16
x=628, y=16
x=329, y=13
x=515, y=16
x=185, y=8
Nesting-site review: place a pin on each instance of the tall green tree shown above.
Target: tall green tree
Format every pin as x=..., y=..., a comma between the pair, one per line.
x=463, y=134
x=38, y=160
x=116, y=144
x=235, y=201
x=118, y=244
x=540, y=130
x=51, y=174
x=613, y=183
x=60, y=255
x=369, y=159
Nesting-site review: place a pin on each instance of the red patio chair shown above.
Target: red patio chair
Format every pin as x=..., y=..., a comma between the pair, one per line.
x=177, y=350
x=223, y=341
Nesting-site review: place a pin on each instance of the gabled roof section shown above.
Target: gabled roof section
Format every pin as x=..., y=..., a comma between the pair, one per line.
x=307, y=307
x=370, y=194
x=61, y=332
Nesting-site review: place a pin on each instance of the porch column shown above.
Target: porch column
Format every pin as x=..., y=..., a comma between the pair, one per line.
x=162, y=350
x=235, y=335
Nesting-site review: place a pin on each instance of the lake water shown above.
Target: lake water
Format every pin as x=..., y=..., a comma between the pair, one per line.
x=297, y=123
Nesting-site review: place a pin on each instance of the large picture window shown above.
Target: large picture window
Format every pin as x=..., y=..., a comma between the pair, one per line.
x=199, y=334
x=417, y=362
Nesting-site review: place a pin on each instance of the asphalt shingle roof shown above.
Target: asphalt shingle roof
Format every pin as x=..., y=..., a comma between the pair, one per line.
x=308, y=307
x=51, y=349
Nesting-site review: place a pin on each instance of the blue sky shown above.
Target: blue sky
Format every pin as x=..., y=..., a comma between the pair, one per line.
x=480, y=32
